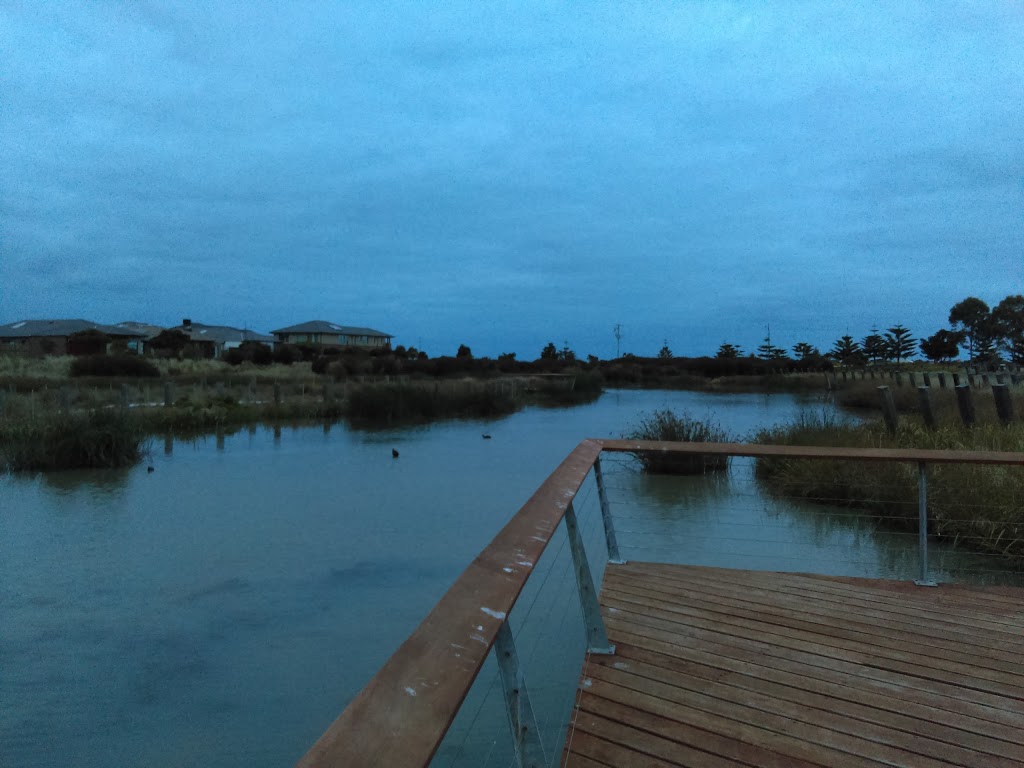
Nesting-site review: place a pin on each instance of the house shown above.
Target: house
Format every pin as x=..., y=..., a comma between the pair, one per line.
x=213, y=340
x=55, y=337
x=328, y=334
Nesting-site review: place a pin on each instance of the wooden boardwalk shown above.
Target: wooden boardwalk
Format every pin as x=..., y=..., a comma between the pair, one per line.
x=719, y=667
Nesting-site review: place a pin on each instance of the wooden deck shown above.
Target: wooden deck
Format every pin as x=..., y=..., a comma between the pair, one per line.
x=720, y=667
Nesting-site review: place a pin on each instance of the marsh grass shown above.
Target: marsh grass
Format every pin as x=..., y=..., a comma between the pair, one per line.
x=667, y=426
x=413, y=402
x=977, y=506
x=86, y=440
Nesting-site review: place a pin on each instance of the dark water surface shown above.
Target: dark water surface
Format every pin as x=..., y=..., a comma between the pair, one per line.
x=221, y=610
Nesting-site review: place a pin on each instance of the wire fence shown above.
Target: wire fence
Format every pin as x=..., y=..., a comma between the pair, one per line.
x=738, y=520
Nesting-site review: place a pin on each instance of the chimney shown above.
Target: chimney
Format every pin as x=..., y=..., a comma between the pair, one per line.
x=187, y=322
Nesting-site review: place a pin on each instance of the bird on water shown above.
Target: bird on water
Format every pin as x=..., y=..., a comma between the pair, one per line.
x=486, y=437
x=394, y=453
x=150, y=469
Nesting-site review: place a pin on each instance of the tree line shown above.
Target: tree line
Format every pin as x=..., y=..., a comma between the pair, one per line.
x=987, y=335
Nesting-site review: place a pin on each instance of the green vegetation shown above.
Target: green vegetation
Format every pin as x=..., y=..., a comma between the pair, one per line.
x=98, y=439
x=665, y=425
x=118, y=366
x=980, y=507
x=378, y=404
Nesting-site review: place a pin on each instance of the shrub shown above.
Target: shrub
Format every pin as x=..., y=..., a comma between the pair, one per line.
x=114, y=365
x=666, y=426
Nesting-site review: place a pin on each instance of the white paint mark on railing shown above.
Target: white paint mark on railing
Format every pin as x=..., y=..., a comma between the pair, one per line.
x=493, y=613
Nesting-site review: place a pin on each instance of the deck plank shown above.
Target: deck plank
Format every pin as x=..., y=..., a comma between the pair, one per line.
x=755, y=668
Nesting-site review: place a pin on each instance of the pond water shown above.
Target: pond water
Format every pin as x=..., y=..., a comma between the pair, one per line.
x=222, y=609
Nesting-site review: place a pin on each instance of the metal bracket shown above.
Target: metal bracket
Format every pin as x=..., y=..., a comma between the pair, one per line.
x=521, y=721
x=606, y=516
x=597, y=635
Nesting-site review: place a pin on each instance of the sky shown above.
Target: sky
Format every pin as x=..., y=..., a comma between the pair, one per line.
x=503, y=175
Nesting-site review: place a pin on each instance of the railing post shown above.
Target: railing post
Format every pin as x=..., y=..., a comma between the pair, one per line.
x=606, y=516
x=597, y=635
x=922, y=524
x=525, y=736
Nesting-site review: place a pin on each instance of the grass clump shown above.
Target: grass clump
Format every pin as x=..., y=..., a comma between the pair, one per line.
x=980, y=507
x=88, y=440
x=666, y=426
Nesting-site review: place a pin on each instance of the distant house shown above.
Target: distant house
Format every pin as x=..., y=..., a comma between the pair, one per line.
x=54, y=337
x=213, y=340
x=332, y=335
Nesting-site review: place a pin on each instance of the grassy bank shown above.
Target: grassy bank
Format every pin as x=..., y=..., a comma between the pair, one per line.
x=979, y=507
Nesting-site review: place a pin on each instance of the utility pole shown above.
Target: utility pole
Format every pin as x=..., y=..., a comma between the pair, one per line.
x=618, y=340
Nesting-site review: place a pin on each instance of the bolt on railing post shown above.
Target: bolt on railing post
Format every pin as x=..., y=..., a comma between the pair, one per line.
x=525, y=736
x=597, y=635
x=606, y=516
x=922, y=525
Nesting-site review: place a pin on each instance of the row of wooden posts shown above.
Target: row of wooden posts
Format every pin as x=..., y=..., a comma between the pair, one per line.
x=969, y=378
x=964, y=401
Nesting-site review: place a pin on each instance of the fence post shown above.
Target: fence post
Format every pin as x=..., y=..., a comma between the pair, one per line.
x=922, y=525
x=521, y=720
x=924, y=398
x=1004, y=405
x=965, y=403
x=597, y=636
x=606, y=516
x=892, y=420
x=942, y=381
x=956, y=379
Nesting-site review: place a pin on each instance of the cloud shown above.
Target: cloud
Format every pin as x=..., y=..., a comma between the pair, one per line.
x=506, y=173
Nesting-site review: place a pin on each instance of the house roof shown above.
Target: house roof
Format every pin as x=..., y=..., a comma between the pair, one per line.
x=23, y=329
x=322, y=326
x=221, y=333
x=144, y=328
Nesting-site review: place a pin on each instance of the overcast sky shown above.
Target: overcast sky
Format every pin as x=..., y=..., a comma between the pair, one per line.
x=504, y=175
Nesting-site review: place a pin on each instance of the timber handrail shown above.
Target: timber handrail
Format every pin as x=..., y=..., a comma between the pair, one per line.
x=817, y=452
x=399, y=719
x=402, y=714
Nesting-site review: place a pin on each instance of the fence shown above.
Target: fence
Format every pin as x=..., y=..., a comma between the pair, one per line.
x=404, y=716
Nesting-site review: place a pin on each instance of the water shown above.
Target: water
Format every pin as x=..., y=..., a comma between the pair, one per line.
x=222, y=609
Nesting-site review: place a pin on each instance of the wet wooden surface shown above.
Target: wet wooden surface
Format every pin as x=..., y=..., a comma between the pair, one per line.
x=718, y=667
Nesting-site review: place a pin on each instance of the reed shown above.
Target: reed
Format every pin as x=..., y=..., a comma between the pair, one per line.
x=54, y=440
x=667, y=426
x=979, y=507
x=411, y=402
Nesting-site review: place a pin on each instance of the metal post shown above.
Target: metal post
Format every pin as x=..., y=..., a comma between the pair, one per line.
x=597, y=635
x=922, y=525
x=525, y=735
x=606, y=516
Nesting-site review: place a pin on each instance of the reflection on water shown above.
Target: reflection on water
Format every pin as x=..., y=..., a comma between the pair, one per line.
x=222, y=609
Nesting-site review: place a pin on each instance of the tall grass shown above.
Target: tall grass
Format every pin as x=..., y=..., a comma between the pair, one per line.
x=667, y=426
x=54, y=440
x=978, y=506
x=377, y=404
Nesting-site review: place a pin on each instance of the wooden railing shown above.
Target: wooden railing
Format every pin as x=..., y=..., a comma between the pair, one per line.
x=399, y=719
